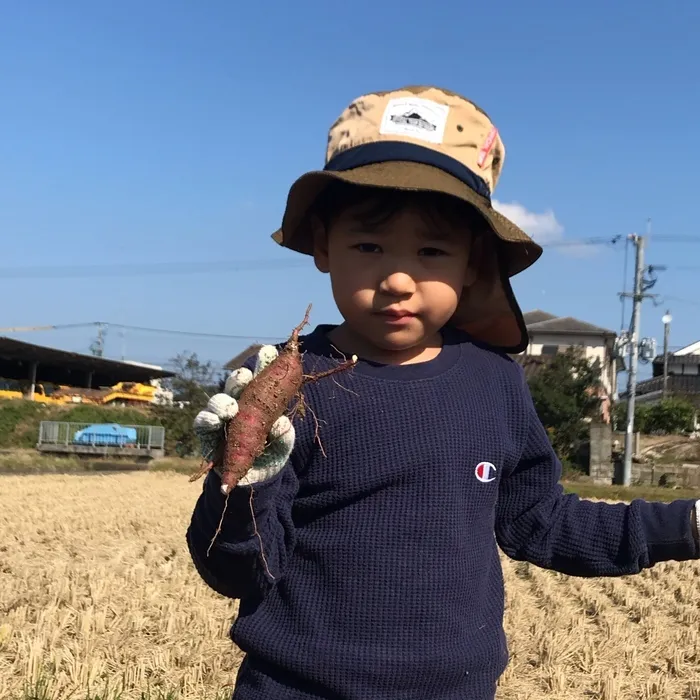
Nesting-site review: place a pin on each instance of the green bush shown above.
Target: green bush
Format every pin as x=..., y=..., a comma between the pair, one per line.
x=668, y=417
x=179, y=435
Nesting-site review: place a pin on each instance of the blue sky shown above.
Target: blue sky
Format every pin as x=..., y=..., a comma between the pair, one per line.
x=170, y=132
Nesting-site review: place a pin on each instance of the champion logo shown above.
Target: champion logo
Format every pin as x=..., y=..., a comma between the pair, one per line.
x=485, y=472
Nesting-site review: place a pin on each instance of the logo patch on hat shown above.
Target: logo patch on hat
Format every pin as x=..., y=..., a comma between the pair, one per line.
x=415, y=117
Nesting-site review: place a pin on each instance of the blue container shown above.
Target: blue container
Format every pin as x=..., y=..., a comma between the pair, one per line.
x=105, y=434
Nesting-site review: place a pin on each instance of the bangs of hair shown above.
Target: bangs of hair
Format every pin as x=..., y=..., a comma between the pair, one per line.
x=374, y=206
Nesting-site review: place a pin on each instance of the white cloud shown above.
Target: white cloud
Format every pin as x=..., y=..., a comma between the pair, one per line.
x=544, y=227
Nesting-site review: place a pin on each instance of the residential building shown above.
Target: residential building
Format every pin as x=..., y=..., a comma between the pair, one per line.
x=237, y=361
x=550, y=335
x=683, y=377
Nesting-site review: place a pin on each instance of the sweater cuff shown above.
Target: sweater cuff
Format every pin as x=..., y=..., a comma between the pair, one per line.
x=669, y=530
x=244, y=504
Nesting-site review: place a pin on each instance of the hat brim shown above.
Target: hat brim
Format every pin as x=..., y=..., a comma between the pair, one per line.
x=488, y=310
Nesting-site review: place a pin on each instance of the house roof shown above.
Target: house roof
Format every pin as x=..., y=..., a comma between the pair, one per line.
x=537, y=316
x=542, y=322
x=692, y=349
x=678, y=384
x=237, y=361
x=678, y=359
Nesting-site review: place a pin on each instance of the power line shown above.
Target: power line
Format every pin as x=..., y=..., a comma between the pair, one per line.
x=193, y=334
x=55, y=327
x=672, y=238
x=681, y=300
x=147, y=269
x=137, y=269
x=142, y=329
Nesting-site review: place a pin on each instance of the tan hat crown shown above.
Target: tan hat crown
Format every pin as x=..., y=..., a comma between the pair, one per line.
x=431, y=140
x=438, y=119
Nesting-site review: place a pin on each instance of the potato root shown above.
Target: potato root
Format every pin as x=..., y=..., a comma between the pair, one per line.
x=265, y=399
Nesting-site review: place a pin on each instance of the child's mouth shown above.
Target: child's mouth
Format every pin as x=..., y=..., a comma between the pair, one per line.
x=396, y=317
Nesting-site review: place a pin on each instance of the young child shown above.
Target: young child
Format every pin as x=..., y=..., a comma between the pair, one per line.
x=363, y=545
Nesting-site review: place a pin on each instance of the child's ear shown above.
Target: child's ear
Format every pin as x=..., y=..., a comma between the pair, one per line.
x=476, y=261
x=320, y=236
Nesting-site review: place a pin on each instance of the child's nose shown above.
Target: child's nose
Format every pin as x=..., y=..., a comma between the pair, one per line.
x=397, y=284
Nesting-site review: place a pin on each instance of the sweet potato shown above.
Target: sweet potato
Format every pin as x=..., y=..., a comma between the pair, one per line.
x=265, y=399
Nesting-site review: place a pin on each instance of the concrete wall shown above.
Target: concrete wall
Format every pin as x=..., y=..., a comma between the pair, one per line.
x=600, y=465
x=686, y=475
x=604, y=468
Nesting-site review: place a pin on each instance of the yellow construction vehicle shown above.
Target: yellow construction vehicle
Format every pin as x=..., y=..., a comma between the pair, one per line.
x=122, y=393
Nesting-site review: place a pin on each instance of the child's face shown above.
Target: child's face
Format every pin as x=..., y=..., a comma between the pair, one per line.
x=397, y=276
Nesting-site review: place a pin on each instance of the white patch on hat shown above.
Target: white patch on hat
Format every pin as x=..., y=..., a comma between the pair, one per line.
x=416, y=117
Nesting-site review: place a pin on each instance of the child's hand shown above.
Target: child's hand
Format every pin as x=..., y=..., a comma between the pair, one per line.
x=209, y=425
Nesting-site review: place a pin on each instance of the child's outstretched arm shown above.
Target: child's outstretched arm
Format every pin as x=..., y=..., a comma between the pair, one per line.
x=537, y=522
x=255, y=533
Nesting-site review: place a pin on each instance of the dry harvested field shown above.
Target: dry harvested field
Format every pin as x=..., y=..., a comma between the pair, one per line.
x=96, y=584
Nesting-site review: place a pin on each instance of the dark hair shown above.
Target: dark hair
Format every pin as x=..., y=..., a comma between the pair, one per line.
x=379, y=204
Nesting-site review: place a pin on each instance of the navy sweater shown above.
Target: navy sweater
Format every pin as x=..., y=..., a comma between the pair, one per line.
x=384, y=578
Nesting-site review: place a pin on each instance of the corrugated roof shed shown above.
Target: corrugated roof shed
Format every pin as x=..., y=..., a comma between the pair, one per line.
x=70, y=368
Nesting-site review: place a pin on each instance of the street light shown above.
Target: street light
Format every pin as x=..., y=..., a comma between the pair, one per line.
x=666, y=320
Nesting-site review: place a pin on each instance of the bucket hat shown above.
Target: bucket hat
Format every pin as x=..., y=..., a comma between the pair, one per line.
x=425, y=138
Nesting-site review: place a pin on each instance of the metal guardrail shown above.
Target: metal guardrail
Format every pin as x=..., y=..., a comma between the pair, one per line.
x=140, y=437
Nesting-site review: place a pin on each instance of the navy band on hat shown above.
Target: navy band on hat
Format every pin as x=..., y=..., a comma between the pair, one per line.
x=383, y=151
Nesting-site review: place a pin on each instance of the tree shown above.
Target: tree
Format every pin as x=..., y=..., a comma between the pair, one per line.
x=195, y=381
x=566, y=392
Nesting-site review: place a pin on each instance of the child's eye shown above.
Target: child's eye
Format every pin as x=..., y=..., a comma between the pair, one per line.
x=368, y=248
x=431, y=252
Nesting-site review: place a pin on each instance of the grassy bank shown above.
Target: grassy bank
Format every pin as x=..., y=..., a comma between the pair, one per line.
x=29, y=461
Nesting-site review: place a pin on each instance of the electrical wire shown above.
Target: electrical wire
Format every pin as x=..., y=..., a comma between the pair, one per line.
x=137, y=269
x=142, y=329
x=692, y=302
x=192, y=334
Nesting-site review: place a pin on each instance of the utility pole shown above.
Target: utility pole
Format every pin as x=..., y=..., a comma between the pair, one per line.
x=667, y=318
x=632, y=342
x=97, y=347
x=637, y=297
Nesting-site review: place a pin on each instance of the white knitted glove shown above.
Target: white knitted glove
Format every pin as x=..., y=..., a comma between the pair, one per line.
x=209, y=424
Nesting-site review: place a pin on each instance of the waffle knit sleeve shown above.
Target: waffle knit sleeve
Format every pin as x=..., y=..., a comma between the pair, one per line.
x=537, y=522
